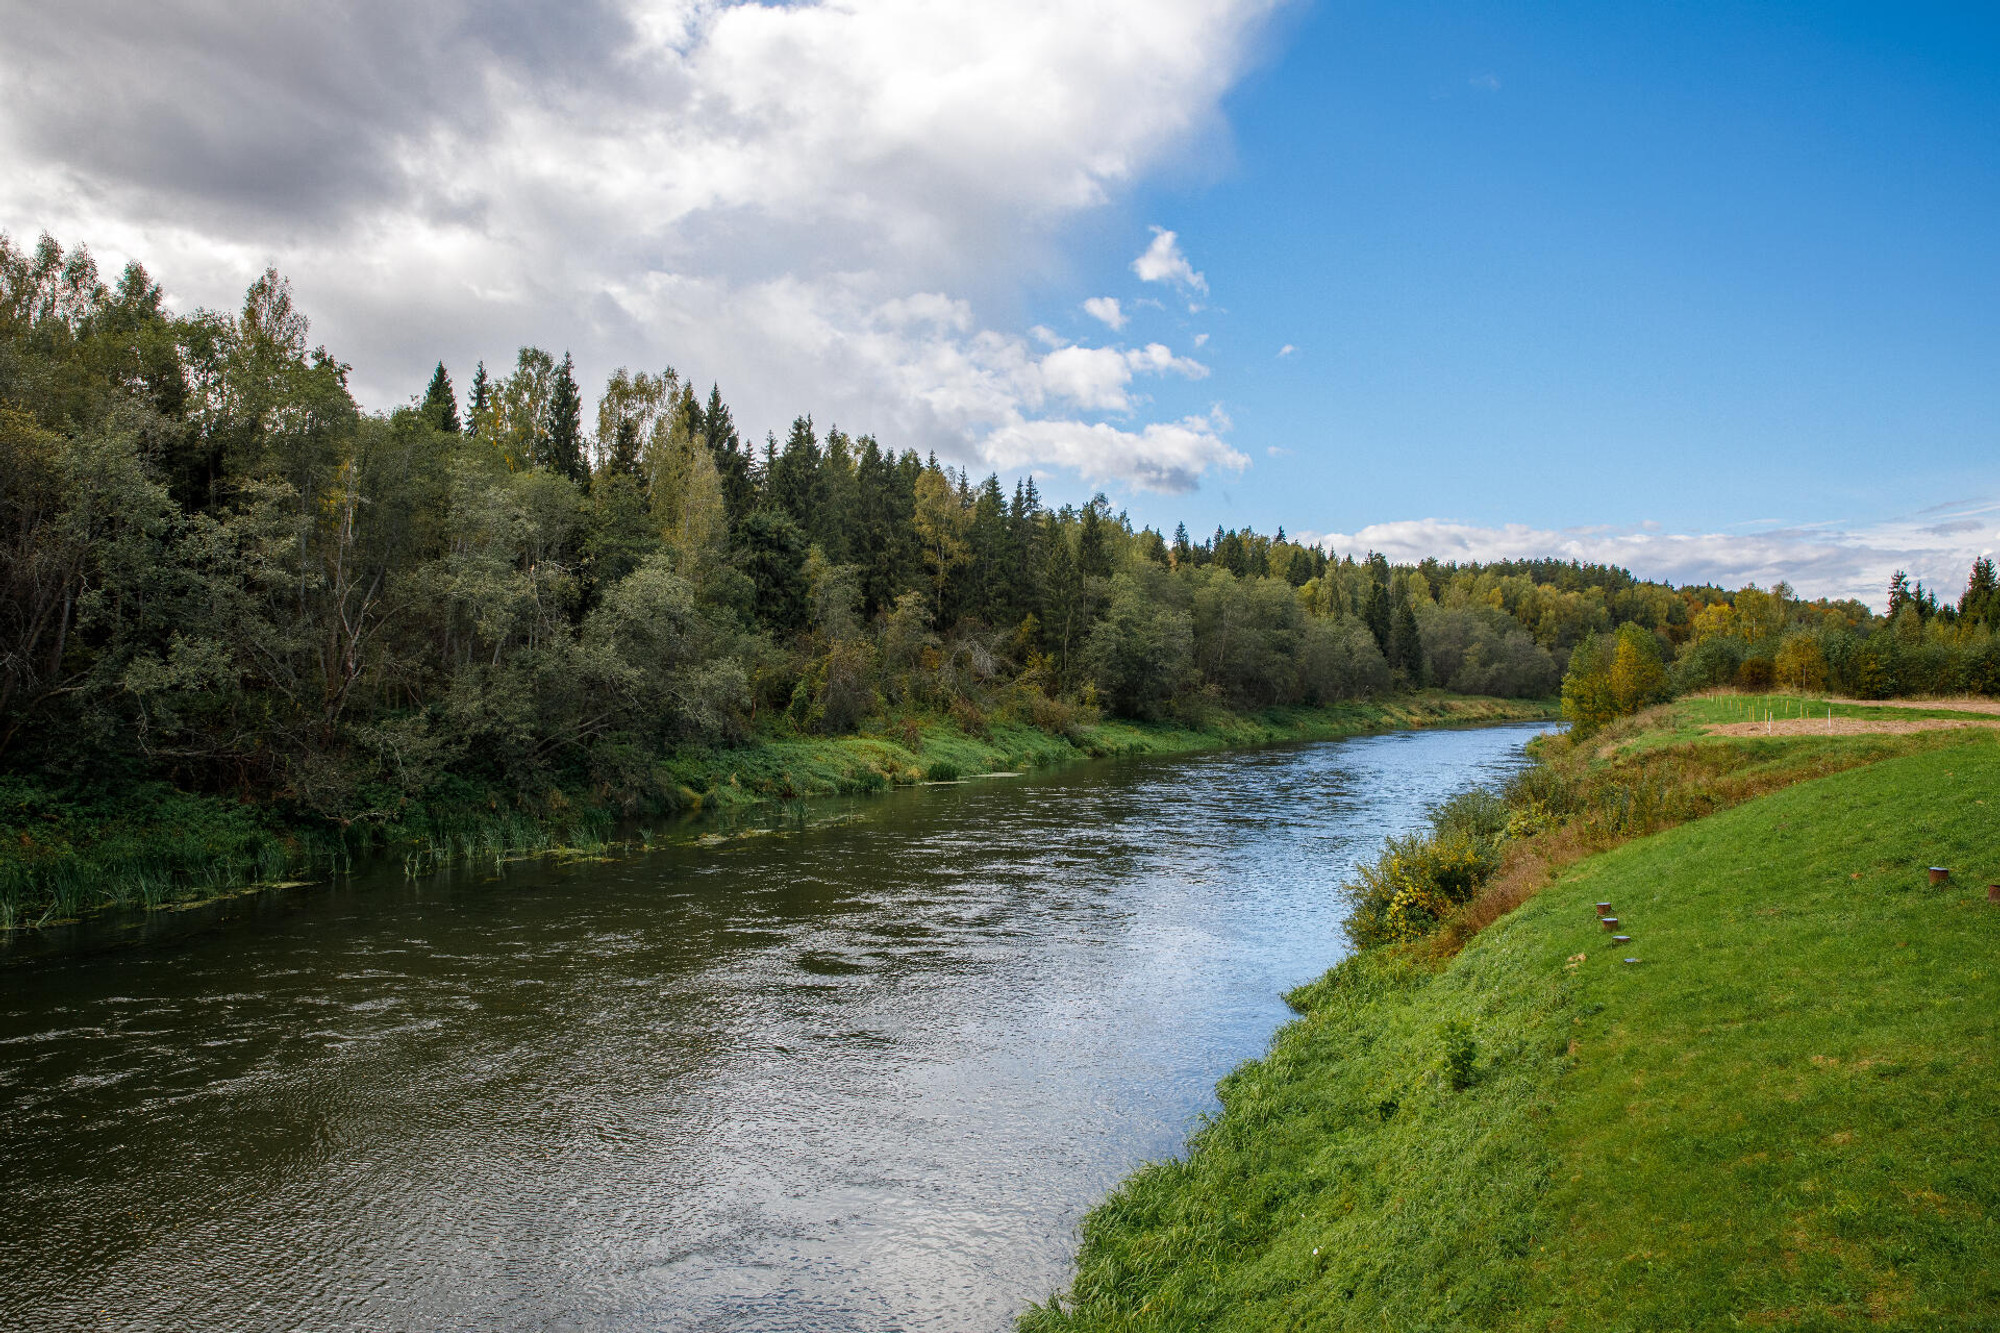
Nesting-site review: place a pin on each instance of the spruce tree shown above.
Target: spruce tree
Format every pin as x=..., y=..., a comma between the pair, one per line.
x=1899, y=593
x=564, y=428
x=1982, y=590
x=623, y=456
x=1375, y=613
x=1406, y=647
x=440, y=403
x=482, y=399
x=1092, y=559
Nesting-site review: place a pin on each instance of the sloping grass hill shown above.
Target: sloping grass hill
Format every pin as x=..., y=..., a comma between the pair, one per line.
x=1786, y=1114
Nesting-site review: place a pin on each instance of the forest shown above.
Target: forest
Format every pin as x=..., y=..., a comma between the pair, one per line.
x=223, y=576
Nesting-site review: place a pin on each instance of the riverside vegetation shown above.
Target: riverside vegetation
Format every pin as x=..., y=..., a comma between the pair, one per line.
x=249, y=630
x=1781, y=1115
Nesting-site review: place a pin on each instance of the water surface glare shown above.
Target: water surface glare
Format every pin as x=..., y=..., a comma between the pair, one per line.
x=862, y=1074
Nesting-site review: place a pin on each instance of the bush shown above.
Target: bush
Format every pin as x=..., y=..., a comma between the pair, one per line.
x=1482, y=650
x=1338, y=660
x=1756, y=674
x=1415, y=884
x=1708, y=663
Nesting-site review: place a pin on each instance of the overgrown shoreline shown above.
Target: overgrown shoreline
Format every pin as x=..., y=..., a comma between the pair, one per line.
x=1780, y=1116
x=65, y=853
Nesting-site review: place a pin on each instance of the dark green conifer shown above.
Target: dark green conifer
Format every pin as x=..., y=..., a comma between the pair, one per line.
x=440, y=403
x=1406, y=647
x=1899, y=593
x=482, y=399
x=563, y=431
x=1376, y=614
x=1981, y=601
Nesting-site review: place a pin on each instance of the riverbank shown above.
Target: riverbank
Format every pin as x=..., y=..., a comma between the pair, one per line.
x=64, y=852
x=1781, y=1115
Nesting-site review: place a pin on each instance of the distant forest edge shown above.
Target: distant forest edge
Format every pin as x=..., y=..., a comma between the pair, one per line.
x=222, y=576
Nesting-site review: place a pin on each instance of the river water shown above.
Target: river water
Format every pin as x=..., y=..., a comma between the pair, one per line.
x=858, y=1066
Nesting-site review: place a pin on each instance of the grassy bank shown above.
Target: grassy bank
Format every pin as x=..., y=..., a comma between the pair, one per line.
x=64, y=851
x=1783, y=1115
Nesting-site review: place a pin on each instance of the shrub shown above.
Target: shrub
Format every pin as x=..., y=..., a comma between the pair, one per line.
x=1800, y=664
x=1756, y=674
x=1415, y=884
x=1459, y=1056
x=1708, y=663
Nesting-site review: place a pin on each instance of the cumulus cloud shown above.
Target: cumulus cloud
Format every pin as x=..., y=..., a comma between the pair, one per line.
x=1161, y=456
x=1286, y=350
x=810, y=203
x=1163, y=261
x=1097, y=377
x=1105, y=308
x=1837, y=560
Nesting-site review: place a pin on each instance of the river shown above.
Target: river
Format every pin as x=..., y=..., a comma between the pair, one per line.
x=859, y=1065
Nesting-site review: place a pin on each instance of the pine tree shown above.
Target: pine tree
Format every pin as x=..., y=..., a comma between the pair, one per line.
x=563, y=432
x=440, y=403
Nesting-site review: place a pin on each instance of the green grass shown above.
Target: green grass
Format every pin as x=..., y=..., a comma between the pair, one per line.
x=1784, y=1116
x=64, y=853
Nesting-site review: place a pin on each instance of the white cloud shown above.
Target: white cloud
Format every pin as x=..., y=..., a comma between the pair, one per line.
x=1201, y=340
x=1169, y=456
x=1096, y=377
x=809, y=202
x=1286, y=350
x=1485, y=83
x=1164, y=262
x=1819, y=560
x=1105, y=308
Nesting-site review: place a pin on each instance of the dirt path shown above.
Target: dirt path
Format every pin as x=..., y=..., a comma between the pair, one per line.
x=1846, y=726
x=1955, y=705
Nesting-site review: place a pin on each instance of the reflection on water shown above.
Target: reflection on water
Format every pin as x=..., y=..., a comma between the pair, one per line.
x=859, y=1074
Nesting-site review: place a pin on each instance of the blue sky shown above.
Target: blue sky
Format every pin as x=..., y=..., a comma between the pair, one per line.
x=1726, y=269
x=1707, y=290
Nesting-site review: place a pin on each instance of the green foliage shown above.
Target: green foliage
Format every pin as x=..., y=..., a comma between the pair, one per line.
x=1588, y=700
x=440, y=405
x=1458, y=1054
x=1418, y=880
x=219, y=574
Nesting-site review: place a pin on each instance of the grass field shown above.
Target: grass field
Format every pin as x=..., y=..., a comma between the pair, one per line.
x=1785, y=1115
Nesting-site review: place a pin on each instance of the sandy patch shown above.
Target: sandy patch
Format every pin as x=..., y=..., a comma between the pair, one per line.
x=1844, y=726
x=1955, y=705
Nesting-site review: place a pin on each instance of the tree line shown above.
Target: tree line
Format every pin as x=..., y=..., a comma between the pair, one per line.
x=220, y=573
